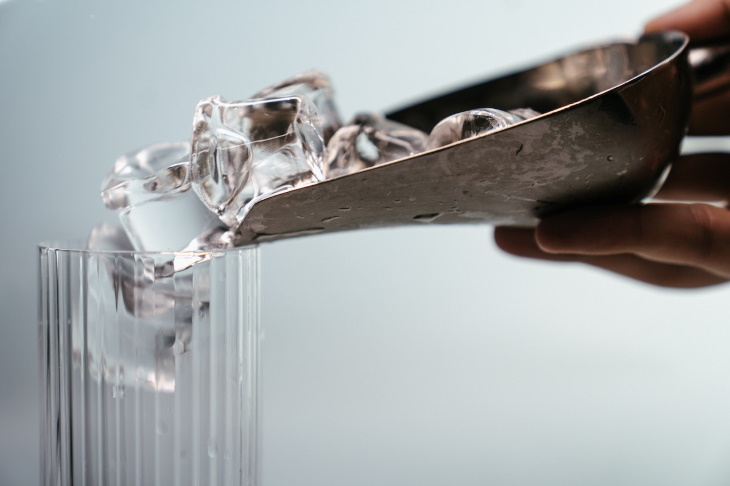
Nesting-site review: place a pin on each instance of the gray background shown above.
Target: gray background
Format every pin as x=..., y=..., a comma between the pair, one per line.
x=393, y=357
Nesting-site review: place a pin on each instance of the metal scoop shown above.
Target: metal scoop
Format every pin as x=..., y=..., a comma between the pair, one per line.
x=613, y=119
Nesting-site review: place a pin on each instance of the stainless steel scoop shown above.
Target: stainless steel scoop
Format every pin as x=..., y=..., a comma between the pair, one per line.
x=613, y=119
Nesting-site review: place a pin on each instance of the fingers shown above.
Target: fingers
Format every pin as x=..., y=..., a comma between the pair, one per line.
x=521, y=242
x=696, y=235
x=682, y=245
x=709, y=115
x=702, y=20
x=663, y=274
x=701, y=177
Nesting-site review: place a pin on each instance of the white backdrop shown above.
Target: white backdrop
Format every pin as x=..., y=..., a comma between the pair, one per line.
x=392, y=357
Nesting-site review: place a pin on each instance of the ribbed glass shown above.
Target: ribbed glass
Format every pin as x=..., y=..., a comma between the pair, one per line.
x=150, y=375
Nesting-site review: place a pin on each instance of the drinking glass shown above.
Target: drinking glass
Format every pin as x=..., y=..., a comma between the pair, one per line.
x=150, y=367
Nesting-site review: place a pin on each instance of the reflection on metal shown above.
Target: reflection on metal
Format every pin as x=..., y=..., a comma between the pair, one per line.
x=613, y=119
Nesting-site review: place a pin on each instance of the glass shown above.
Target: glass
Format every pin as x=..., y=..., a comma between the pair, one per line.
x=149, y=375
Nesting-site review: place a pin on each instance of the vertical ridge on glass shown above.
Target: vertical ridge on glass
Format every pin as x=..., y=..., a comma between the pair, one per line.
x=253, y=317
x=148, y=378
x=81, y=319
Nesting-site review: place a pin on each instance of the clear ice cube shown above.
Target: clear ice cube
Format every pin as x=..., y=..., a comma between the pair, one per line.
x=524, y=113
x=160, y=308
x=369, y=140
x=315, y=85
x=130, y=274
x=108, y=237
x=472, y=123
x=201, y=249
x=150, y=189
x=244, y=150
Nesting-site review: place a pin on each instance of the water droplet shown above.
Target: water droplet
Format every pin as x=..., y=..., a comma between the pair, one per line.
x=397, y=201
x=179, y=347
x=610, y=158
x=118, y=391
x=346, y=208
x=329, y=219
x=388, y=208
x=412, y=198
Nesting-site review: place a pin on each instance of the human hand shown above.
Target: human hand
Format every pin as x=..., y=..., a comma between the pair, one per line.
x=669, y=244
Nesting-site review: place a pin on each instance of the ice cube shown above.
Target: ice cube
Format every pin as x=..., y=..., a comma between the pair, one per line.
x=151, y=191
x=130, y=274
x=201, y=249
x=524, y=113
x=244, y=150
x=472, y=123
x=316, y=85
x=159, y=310
x=108, y=237
x=369, y=140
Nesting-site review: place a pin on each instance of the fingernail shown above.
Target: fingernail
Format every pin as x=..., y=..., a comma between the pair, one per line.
x=554, y=235
x=563, y=233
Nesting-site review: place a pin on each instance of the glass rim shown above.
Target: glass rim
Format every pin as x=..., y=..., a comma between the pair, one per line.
x=79, y=246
